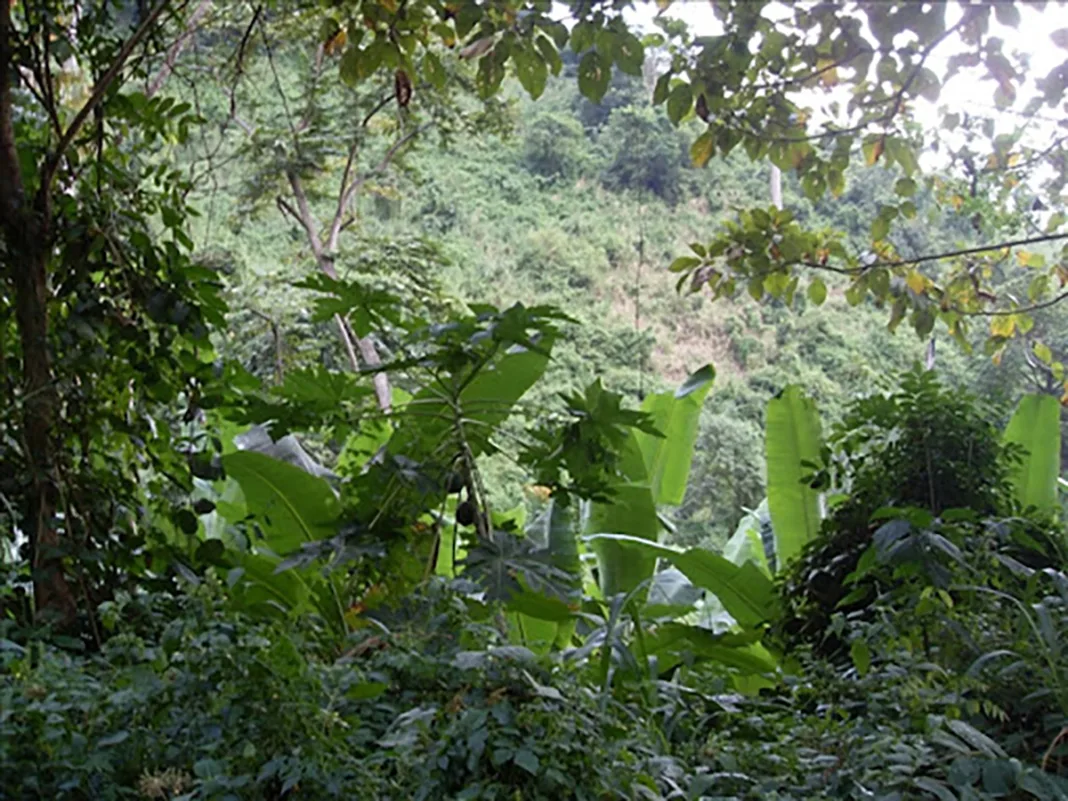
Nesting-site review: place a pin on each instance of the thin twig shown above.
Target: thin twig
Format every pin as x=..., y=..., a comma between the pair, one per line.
x=857, y=271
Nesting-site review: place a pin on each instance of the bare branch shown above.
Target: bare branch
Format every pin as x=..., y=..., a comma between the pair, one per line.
x=276, y=336
x=1019, y=310
x=337, y=225
x=304, y=217
x=381, y=104
x=176, y=49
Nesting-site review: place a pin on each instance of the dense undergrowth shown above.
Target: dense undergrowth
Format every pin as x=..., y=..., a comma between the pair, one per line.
x=941, y=674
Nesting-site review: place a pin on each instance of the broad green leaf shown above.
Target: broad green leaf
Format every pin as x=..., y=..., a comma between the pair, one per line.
x=906, y=187
x=291, y=505
x=628, y=53
x=660, y=91
x=679, y=101
x=667, y=459
x=817, y=291
x=490, y=75
x=746, y=593
x=861, y=656
x=549, y=52
x=593, y=76
x=792, y=438
x=1035, y=426
x=739, y=652
x=880, y=228
x=485, y=402
x=540, y=607
x=556, y=528
x=531, y=71
x=745, y=545
x=631, y=511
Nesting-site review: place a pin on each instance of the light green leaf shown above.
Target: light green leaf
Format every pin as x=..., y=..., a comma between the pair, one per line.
x=291, y=505
x=631, y=512
x=861, y=656
x=1035, y=426
x=817, y=291
x=679, y=101
x=746, y=593
x=745, y=545
x=792, y=437
x=668, y=458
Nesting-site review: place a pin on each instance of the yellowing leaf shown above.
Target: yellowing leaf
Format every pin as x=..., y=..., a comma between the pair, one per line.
x=917, y=282
x=874, y=149
x=336, y=42
x=828, y=72
x=1003, y=325
x=1043, y=352
x=1028, y=259
x=702, y=149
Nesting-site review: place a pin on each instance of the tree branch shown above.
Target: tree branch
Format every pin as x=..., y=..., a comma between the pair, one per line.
x=1020, y=310
x=175, y=50
x=337, y=225
x=97, y=95
x=949, y=254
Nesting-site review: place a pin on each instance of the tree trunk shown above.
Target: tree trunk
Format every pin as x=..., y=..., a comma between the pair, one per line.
x=776, y=187
x=25, y=232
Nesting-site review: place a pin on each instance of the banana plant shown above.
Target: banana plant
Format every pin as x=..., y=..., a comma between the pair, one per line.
x=1035, y=427
x=655, y=472
x=290, y=508
x=792, y=448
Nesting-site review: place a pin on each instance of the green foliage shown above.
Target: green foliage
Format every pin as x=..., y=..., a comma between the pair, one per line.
x=793, y=452
x=554, y=146
x=643, y=153
x=655, y=469
x=1035, y=428
x=913, y=456
x=366, y=612
x=191, y=701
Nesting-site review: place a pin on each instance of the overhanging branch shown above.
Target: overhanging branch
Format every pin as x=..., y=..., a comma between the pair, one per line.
x=98, y=93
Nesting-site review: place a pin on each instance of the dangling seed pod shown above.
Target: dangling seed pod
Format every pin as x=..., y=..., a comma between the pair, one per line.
x=702, y=107
x=402, y=88
x=465, y=513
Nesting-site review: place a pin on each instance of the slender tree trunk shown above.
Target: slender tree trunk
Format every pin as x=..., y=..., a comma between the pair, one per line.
x=776, y=187
x=24, y=228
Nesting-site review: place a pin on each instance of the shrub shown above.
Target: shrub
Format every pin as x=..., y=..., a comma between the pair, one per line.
x=924, y=446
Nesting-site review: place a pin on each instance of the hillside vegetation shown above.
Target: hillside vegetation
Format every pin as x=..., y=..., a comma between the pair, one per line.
x=411, y=399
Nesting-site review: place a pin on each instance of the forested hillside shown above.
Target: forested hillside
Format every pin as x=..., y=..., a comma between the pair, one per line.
x=583, y=205
x=526, y=400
